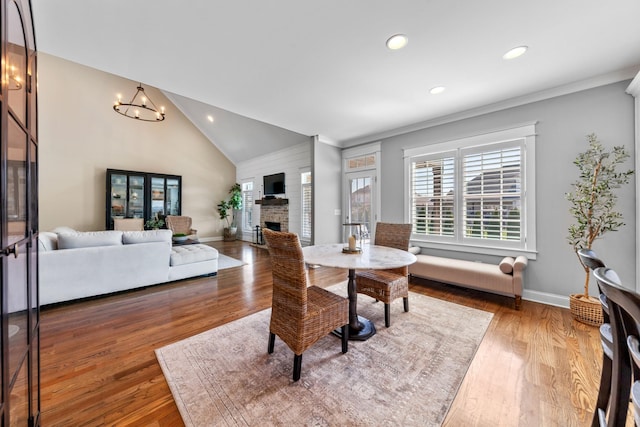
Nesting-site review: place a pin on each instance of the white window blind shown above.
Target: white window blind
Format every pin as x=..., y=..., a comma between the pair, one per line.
x=305, y=178
x=247, y=206
x=492, y=193
x=433, y=190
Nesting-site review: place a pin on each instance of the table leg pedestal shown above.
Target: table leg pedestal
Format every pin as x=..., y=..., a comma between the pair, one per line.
x=360, y=328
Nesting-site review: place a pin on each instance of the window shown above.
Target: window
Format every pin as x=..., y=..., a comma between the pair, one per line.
x=247, y=206
x=360, y=189
x=474, y=192
x=305, y=179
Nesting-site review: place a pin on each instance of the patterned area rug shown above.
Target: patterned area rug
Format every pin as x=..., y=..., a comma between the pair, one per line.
x=407, y=374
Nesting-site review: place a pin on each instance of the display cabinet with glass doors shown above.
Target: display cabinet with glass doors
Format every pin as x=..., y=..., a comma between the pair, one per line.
x=143, y=195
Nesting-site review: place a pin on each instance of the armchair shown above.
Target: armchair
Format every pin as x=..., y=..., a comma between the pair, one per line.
x=180, y=225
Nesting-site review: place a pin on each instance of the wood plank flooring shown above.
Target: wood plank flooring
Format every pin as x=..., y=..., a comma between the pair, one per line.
x=535, y=367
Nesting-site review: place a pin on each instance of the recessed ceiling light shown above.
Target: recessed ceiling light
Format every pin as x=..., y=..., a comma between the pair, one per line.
x=436, y=90
x=210, y=118
x=397, y=41
x=515, y=52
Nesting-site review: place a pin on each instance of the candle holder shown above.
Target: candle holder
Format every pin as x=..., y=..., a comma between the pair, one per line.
x=352, y=235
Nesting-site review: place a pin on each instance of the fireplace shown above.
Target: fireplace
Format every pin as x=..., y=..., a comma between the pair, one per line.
x=274, y=216
x=274, y=226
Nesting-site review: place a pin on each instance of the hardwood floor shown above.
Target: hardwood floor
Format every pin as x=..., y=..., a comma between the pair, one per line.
x=535, y=367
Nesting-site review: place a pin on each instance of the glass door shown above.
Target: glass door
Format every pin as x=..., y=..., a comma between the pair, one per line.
x=158, y=193
x=118, y=192
x=135, y=199
x=360, y=201
x=19, y=306
x=172, y=202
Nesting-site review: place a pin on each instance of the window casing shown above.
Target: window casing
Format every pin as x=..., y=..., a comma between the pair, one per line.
x=476, y=192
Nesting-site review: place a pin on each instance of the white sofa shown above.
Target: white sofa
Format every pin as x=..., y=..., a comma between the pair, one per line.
x=75, y=265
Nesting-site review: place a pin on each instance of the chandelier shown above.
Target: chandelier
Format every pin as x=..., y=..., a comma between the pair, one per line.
x=140, y=107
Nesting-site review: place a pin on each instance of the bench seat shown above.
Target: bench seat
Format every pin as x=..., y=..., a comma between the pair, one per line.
x=505, y=278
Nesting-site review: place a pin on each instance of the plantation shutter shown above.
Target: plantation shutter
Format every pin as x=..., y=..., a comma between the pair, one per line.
x=433, y=195
x=247, y=206
x=492, y=192
x=306, y=205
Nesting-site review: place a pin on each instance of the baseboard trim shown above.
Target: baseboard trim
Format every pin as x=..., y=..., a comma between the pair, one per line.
x=546, y=298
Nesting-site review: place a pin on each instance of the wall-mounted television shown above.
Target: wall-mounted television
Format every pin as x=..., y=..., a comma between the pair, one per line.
x=274, y=184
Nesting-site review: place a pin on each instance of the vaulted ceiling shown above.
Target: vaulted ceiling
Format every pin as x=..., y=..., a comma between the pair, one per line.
x=322, y=68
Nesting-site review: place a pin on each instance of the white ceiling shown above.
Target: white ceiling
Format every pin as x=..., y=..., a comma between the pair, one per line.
x=322, y=67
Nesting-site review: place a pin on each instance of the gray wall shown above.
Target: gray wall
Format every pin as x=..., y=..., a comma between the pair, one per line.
x=327, y=184
x=563, y=123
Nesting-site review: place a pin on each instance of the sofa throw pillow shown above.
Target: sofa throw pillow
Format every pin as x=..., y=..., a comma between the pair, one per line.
x=47, y=241
x=506, y=265
x=89, y=239
x=147, y=236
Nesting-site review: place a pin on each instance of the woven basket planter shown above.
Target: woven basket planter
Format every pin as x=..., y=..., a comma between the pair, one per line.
x=586, y=309
x=229, y=234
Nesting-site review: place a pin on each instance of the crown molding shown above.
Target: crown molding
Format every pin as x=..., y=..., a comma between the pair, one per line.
x=634, y=87
x=605, y=79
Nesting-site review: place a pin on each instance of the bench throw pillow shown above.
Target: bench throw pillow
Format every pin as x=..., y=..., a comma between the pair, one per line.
x=89, y=239
x=506, y=265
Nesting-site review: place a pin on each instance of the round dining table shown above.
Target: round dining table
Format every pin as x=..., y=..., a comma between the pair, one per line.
x=371, y=257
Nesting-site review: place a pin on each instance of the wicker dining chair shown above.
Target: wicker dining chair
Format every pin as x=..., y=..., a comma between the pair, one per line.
x=300, y=314
x=179, y=224
x=128, y=224
x=387, y=285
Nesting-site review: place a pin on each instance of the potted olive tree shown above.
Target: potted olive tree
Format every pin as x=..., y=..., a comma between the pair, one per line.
x=592, y=207
x=227, y=210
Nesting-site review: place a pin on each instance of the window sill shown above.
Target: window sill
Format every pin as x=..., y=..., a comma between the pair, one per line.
x=476, y=249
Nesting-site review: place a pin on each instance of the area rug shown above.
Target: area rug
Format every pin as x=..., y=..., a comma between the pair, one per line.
x=407, y=374
x=228, y=262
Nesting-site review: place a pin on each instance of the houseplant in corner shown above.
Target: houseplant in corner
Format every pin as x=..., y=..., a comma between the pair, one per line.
x=592, y=207
x=227, y=209
x=154, y=223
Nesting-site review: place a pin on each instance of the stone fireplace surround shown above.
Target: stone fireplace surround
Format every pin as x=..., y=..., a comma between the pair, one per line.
x=274, y=210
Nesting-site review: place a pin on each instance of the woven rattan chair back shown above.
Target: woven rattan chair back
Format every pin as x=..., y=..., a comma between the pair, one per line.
x=179, y=224
x=289, y=275
x=393, y=235
x=396, y=236
x=128, y=224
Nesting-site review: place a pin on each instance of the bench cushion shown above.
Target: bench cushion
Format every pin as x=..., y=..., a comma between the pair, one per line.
x=461, y=272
